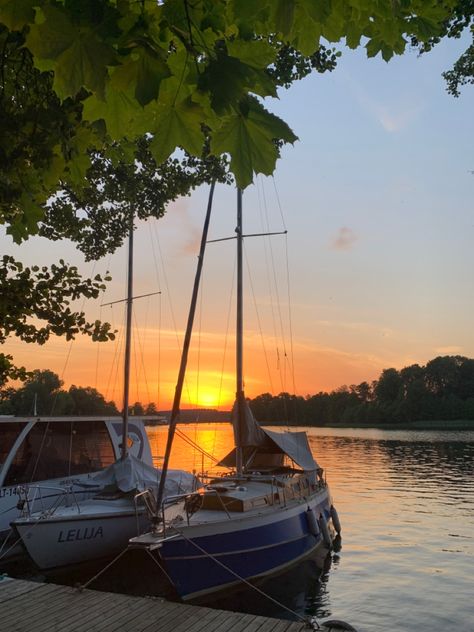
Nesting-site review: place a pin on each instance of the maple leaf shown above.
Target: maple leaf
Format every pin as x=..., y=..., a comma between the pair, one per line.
x=249, y=135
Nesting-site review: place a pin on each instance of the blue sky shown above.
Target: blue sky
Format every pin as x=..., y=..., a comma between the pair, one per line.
x=377, y=199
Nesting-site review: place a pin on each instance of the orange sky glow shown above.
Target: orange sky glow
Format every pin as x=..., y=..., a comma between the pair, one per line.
x=374, y=271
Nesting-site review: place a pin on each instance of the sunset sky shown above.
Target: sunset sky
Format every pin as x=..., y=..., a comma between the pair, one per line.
x=377, y=198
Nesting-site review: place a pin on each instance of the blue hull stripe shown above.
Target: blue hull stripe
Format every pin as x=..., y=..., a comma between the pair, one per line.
x=248, y=553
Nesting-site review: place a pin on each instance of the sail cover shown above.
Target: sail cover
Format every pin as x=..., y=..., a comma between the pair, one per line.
x=131, y=474
x=266, y=448
x=296, y=446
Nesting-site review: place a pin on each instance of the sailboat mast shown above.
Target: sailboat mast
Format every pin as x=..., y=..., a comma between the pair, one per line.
x=128, y=339
x=184, y=355
x=240, y=397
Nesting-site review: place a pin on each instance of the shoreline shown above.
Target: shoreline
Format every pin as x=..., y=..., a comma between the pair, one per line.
x=435, y=424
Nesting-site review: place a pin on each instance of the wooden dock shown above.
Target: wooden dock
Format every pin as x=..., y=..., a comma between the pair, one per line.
x=27, y=606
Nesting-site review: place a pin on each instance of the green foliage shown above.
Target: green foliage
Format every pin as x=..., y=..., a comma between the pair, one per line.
x=462, y=72
x=441, y=390
x=43, y=391
x=77, y=75
x=460, y=20
x=88, y=401
x=45, y=294
x=96, y=214
x=36, y=303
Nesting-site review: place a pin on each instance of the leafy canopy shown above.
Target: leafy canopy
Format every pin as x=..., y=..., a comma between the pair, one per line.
x=39, y=302
x=460, y=20
x=79, y=75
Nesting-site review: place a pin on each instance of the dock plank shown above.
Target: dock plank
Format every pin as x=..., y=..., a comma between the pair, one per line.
x=236, y=623
x=156, y=621
x=95, y=609
x=26, y=603
x=154, y=614
x=51, y=608
x=10, y=588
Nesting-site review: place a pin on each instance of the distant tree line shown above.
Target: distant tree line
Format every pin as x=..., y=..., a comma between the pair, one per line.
x=443, y=389
x=42, y=392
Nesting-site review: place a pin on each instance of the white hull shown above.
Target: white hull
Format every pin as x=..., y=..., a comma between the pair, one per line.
x=34, y=477
x=101, y=530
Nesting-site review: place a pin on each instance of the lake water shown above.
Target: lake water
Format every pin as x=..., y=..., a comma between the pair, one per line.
x=406, y=504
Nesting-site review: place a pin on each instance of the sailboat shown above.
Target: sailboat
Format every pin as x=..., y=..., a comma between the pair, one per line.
x=72, y=530
x=273, y=509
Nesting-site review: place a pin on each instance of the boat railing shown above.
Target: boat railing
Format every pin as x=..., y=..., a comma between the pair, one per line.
x=37, y=498
x=157, y=515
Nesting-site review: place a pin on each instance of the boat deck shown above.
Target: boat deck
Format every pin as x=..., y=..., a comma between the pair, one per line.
x=26, y=606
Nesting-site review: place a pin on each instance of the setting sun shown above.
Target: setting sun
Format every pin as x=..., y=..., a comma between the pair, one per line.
x=208, y=397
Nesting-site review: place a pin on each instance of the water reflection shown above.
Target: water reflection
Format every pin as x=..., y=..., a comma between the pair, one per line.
x=406, y=503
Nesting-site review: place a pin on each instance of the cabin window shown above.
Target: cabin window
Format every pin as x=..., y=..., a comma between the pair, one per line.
x=9, y=433
x=61, y=449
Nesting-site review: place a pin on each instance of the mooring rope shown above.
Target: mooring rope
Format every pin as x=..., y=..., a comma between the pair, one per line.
x=307, y=621
x=81, y=587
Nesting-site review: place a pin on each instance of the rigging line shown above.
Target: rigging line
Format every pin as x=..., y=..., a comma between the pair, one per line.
x=224, y=353
x=190, y=441
x=136, y=350
x=277, y=293
x=290, y=318
x=142, y=345
x=118, y=358
x=113, y=329
x=157, y=272
x=97, y=354
x=259, y=322
x=158, y=381
x=288, y=285
x=279, y=203
x=262, y=203
x=199, y=340
x=117, y=348
x=68, y=355
x=160, y=252
x=193, y=444
x=142, y=341
x=201, y=294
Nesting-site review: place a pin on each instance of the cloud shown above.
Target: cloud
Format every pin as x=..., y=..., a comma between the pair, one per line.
x=395, y=121
x=344, y=239
x=393, y=117
x=181, y=226
x=193, y=242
